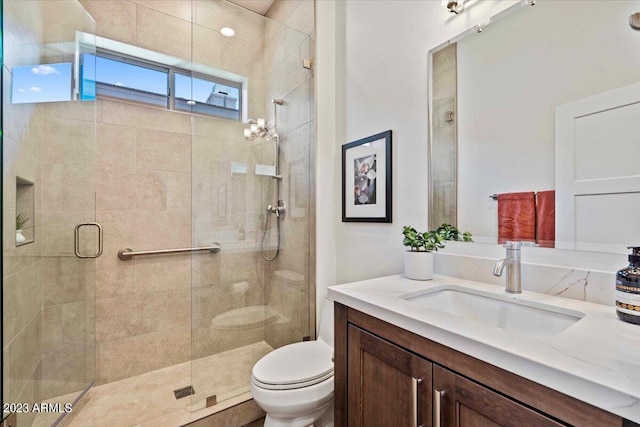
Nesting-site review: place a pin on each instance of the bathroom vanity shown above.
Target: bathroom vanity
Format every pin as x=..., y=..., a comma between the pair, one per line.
x=451, y=352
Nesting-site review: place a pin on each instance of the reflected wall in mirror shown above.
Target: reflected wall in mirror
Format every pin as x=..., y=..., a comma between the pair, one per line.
x=510, y=94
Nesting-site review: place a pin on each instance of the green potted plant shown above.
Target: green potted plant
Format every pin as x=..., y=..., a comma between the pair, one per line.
x=21, y=221
x=418, y=259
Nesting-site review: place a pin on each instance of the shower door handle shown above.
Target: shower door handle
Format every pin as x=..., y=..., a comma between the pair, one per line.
x=76, y=239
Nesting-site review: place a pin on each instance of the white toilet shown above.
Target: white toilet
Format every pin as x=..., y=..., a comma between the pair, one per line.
x=294, y=383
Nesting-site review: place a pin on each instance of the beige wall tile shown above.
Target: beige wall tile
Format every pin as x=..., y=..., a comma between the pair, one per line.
x=24, y=125
x=163, y=151
x=163, y=33
x=116, y=189
x=66, y=279
x=114, y=19
x=179, y=308
x=207, y=46
x=115, y=146
x=52, y=326
x=298, y=111
x=78, y=188
x=115, y=318
x=178, y=191
x=57, y=231
x=257, y=97
x=113, y=276
x=64, y=371
x=67, y=12
x=120, y=113
x=242, y=57
x=302, y=17
x=211, y=127
x=12, y=307
x=24, y=355
x=32, y=283
x=280, y=10
x=163, y=273
x=135, y=355
x=68, y=141
x=74, y=327
x=150, y=190
x=177, y=8
x=52, y=183
x=218, y=14
x=78, y=110
x=163, y=230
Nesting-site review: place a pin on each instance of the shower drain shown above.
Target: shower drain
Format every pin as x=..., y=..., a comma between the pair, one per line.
x=184, y=392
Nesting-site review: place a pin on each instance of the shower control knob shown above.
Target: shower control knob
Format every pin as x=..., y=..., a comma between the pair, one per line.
x=279, y=210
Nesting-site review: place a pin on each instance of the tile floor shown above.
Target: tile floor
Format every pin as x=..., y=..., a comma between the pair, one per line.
x=147, y=400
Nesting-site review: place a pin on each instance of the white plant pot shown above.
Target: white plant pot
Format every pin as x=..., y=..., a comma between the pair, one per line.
x=20, y=237
x=418, y=265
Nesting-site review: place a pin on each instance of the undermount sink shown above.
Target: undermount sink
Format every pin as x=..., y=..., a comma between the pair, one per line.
x=500, y=311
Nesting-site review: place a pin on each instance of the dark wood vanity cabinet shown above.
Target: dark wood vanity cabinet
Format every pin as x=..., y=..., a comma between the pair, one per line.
x=387, y=384
x=387, y=376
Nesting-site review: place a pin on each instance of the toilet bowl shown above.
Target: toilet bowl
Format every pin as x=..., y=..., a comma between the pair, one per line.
x=294, y=384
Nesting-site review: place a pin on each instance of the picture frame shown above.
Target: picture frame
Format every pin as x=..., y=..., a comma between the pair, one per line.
x=366, y=179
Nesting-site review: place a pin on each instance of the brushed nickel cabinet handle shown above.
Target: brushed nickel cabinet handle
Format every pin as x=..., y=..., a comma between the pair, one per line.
x=437, y=404
x=415, y=382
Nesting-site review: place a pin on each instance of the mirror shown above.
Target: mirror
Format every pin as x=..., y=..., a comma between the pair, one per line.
x=544, y=98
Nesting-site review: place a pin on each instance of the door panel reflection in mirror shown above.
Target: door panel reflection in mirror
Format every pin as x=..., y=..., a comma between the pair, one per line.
x=510, y=79
x=597, y=172
x=25, y=221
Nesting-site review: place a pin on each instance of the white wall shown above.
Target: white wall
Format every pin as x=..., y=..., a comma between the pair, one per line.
x=510, y=79
x=372, y=75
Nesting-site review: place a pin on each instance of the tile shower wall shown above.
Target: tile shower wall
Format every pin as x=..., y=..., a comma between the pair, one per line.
x=290, y=279
x=43, y=277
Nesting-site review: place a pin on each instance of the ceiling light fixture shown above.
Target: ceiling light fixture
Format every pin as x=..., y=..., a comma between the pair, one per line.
x=454, y=6
x=227, y=32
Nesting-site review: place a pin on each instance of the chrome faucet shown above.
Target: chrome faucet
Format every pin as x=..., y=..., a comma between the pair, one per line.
x=512, y=262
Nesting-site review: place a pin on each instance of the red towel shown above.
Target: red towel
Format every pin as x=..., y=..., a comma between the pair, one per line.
x=546, y=218
x=516, y=217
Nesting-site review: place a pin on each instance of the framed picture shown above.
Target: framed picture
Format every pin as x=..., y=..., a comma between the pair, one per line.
x=366, y=179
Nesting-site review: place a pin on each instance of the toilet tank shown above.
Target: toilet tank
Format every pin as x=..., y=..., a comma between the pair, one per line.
x=325, y=333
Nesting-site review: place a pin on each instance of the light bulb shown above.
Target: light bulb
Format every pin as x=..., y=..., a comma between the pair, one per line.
x=254, y=129
x=261, y=124
x=247, y=133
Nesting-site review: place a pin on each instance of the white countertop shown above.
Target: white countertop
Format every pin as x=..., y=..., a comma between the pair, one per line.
x=596, y=360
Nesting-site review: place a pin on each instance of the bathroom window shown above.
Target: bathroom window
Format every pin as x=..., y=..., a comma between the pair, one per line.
x=126, y=77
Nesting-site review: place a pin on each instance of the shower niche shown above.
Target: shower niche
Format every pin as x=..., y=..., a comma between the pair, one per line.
x=25, y=230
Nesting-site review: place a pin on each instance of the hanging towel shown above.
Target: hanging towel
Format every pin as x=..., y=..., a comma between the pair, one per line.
x=546, y=218
x=516, y=217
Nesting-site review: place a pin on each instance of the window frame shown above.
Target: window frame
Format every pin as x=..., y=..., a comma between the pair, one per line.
x=171, y=72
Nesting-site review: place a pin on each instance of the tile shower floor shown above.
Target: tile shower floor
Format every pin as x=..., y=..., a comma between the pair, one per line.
x=148, y=400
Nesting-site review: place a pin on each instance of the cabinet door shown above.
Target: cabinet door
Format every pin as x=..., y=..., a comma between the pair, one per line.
x=387, y=386
x=464, y=403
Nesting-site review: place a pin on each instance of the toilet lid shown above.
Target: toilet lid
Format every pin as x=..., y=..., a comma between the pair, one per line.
x=295, y=365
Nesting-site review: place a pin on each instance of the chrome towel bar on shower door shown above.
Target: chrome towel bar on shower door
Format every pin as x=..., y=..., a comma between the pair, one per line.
x=127, y=254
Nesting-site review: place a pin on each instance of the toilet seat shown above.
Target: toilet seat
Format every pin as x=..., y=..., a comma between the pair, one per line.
x=294, y=366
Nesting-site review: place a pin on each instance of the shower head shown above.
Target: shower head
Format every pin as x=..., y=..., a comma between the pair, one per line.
x=259, y=128
x=277, y=101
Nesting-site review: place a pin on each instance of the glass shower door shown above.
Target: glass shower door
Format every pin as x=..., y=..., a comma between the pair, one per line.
x=49, y=162
x=253, y=296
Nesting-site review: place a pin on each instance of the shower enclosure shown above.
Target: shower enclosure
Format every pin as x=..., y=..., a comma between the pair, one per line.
x=98, y=166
